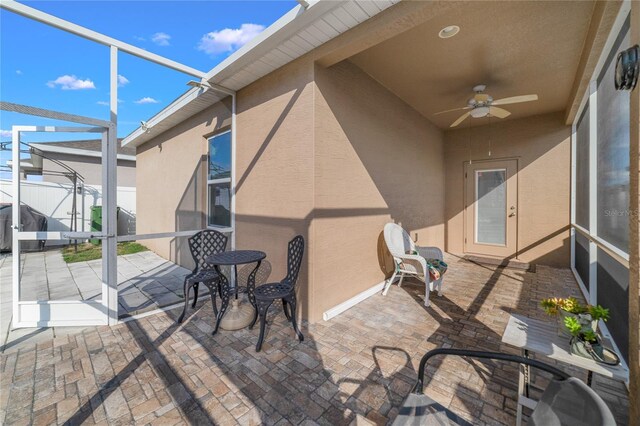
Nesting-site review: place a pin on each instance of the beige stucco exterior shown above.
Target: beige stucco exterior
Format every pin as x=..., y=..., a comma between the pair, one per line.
x=376, y=160
x=333, y=155
x=171, y=181
x=310, y=162
x=274, y=171
x=542, y=146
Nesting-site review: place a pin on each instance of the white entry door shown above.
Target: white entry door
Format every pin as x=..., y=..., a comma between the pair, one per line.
x=491, y=215
x=50, y=219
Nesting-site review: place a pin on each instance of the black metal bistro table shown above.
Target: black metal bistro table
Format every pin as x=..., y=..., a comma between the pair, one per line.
x=242, y=315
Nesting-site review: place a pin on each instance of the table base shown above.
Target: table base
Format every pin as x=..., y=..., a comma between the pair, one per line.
x=239, y=315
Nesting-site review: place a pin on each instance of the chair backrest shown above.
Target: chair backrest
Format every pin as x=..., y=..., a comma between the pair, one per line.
x=206, y=243
x=398, y=240
x=571, y=402
x=294, y=259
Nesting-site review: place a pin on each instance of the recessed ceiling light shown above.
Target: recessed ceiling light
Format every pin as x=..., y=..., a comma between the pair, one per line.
x=449, y=31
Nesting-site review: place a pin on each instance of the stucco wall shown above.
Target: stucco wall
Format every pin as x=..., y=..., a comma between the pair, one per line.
x=376, y=160
x=89, y=167
x=542, y=145
x=171, y=181
x=274, y=171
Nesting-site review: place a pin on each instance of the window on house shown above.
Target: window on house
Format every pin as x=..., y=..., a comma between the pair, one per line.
x=219, y=181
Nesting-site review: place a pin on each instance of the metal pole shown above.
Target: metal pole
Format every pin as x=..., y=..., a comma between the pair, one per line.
x=109, y=182
x=15, y=207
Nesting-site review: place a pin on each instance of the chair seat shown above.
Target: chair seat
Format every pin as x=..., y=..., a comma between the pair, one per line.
x=420, y=410
x=203, y=275
x=273, y=291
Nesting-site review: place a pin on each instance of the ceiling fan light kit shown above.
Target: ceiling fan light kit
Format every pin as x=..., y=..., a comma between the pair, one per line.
x=483, y=105
x=481, y=111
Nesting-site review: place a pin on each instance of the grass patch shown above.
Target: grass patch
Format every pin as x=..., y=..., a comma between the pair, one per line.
x=88, y=251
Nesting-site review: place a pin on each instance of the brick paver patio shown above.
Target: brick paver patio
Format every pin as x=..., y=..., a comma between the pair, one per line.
x=362, y=363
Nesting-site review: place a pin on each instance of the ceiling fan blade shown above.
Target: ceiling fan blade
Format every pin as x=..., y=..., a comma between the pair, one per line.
x=451, y=110
x=515, y=99
x=461, y=119
x=498, y=112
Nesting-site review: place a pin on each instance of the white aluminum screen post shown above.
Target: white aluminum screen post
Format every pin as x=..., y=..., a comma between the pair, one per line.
x=593, y=191
x=15, y=213
x=233, y=172
x=109, y=203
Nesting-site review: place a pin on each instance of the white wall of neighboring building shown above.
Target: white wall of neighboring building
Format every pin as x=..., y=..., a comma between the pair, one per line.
x=55, y=200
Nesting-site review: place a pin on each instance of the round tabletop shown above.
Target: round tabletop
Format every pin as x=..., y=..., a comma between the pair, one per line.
x=235, y=257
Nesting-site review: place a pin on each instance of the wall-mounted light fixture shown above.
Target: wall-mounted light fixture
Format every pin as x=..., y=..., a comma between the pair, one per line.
x=627, y=68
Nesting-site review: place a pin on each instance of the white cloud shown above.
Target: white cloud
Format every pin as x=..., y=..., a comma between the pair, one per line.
x=161, y=39
x=228, y=39
x=19, y=72
x=71, y=82
x=138, y=38
x=122, y=80
x=107, y=103
x=5, y=133
x=146, y=100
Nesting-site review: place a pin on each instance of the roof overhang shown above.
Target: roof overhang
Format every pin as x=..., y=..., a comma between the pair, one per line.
x=298, y=32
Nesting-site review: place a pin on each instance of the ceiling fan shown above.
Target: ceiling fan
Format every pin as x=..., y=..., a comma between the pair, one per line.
x=483, y=105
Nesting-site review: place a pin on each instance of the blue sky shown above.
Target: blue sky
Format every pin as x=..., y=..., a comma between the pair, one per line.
x=48, y=68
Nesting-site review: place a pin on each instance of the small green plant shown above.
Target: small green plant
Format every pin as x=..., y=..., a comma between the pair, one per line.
x=581, y=329
x=573, y=325
x=599, y=313
x=589, y=335
x=553, y=305
x=572, y=305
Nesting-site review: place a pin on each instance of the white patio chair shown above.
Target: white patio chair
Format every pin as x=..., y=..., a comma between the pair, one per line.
x=402, y=247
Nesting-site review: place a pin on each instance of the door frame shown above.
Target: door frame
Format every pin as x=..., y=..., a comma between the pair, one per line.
x=50, y=313
x=465, y=164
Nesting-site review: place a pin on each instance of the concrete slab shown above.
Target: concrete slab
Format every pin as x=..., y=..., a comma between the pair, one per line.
x=146, y=282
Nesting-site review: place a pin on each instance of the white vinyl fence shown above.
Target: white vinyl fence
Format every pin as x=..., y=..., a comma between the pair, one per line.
x=55, y=201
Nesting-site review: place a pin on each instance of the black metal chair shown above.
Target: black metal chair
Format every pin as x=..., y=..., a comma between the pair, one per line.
x=565, y=401
x=284, y=290
x=203, y=244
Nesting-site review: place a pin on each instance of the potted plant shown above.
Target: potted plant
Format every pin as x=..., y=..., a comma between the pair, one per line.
x=597, y=313
x=571, y=308
x=563, y=308
x=585, y=341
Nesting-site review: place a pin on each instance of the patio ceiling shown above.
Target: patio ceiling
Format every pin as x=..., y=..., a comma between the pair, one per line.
x=515, y=48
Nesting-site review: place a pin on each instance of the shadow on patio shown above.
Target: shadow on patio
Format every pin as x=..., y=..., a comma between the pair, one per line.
x=362, y=362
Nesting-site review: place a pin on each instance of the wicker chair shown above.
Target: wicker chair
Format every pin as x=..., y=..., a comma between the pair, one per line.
x=401, y=246
x=284, y=290
x=202, y=245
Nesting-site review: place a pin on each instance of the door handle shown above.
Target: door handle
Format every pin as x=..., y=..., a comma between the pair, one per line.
x=512, y=214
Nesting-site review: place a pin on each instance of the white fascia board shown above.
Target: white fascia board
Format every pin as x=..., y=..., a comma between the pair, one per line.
x=172, y=108
x=75, y=151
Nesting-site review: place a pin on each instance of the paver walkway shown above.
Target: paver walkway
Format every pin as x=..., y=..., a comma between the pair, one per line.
x=361, y=363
